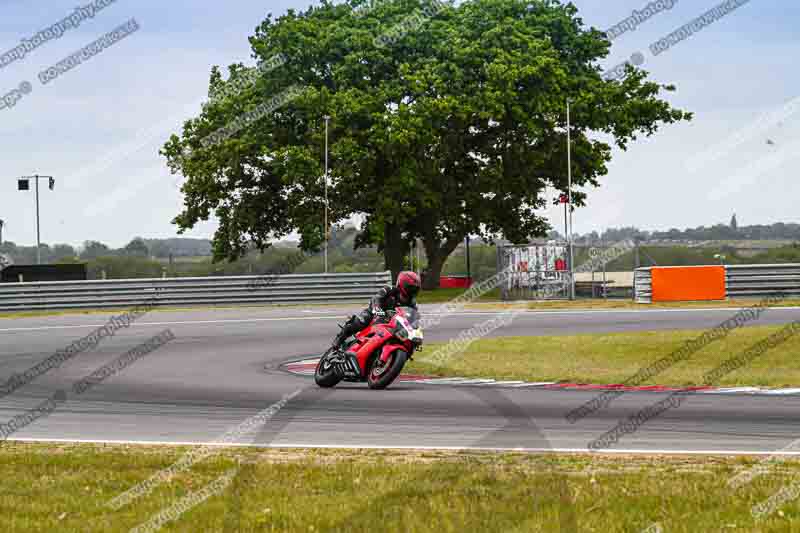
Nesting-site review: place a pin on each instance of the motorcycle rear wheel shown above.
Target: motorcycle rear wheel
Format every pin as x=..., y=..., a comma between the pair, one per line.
x=381, y=376
x=326, y=378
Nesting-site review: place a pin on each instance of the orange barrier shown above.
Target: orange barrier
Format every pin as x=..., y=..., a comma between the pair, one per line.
x=688, y=284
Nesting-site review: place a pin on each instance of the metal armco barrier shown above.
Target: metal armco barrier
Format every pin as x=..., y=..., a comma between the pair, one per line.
x=266, y=289
x=740, y=281
x=755, y=280
x=643, y=285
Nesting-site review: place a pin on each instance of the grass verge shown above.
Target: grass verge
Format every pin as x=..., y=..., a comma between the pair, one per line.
x=437, y=296
x=615, y=357
x=49, y=487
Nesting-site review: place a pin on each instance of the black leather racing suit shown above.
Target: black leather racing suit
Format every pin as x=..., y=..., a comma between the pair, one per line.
x=386, y=299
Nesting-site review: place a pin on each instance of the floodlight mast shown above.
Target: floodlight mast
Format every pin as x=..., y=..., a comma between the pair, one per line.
x=51, y=184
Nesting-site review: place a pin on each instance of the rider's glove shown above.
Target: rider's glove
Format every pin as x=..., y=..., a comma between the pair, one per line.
x=380, y=313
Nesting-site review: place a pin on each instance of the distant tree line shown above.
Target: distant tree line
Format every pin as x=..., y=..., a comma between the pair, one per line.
x=181, y=257
x=138, y=247
x=718, y=232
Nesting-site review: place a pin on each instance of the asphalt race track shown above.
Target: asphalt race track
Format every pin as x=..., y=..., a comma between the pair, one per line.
x=224, y=366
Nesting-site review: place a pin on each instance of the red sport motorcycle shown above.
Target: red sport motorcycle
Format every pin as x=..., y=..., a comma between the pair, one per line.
x=376, y=355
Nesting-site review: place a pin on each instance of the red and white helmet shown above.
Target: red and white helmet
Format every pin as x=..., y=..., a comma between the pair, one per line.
x=409, y=284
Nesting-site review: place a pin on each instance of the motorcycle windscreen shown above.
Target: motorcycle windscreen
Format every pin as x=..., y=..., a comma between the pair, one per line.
x=412, y=316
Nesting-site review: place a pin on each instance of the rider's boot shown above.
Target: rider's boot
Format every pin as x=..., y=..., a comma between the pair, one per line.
x=338, y=340
x=350, y=327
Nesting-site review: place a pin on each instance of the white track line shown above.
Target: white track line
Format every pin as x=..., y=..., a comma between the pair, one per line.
x=439, y=381
x=731, y=390
x=688, y=310
x=403, y=447
x=779, y=391
x=175, y=323
x=469, y=381
x=487, y=382
x=337, y=317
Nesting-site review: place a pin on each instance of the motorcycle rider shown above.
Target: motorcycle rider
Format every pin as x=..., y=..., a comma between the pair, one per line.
x=404, y=293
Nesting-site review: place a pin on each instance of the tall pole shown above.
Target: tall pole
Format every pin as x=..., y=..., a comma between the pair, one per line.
x=569, y=186
x=26, y=180
x=469, y=268
x=327, y=119
x=38, y=234
x=419, y=263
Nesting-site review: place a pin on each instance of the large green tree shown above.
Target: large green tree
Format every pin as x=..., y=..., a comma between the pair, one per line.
x=94, y=249
x=445, y=122
x=137, y=247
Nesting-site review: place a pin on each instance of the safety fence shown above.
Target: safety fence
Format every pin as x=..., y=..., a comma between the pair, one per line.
x=535, y=272
x=541, y=271
x=267, y=289
x=708, y=283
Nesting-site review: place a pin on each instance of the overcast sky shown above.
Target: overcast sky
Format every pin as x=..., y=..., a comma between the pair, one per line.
x=98, y=127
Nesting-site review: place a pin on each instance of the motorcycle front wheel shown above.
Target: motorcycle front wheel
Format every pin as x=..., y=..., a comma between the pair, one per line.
x=381, y=375
x=326, y=377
